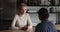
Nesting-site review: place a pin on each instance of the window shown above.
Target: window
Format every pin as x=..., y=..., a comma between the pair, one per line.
x=34, y=2
x=43, y=2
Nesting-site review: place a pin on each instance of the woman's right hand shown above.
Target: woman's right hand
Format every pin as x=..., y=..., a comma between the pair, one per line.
x=24, y=28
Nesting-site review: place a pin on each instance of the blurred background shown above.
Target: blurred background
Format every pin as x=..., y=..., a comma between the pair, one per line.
x=8, y=10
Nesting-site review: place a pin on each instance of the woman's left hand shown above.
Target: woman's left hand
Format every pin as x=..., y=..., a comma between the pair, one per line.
x=24, y=28
x=29, y=29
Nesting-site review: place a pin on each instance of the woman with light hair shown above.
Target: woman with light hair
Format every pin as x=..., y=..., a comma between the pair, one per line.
x=22, y=19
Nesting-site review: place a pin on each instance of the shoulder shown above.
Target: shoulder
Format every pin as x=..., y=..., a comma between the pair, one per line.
x=16, y=15
x=49, y=24
x=27, y=15
x=38, y=25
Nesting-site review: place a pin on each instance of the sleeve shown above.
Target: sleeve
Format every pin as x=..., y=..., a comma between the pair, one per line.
x=29, y=22
x=14, y=22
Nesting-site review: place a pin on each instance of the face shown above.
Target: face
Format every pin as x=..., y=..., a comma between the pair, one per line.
x=23, y=10
x=40, y=17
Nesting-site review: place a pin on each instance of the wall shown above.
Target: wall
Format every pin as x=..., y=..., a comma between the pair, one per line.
x=34, y=16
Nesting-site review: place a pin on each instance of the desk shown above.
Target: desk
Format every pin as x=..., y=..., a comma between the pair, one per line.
x=13, y=31
x=58, y=27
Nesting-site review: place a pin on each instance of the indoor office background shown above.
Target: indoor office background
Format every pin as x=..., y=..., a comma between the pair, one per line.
x=8, y=11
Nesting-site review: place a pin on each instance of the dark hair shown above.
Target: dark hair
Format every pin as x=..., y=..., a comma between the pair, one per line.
x=21, y=1
x=44, y=13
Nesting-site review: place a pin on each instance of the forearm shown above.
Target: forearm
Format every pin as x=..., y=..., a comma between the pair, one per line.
x=29, y=27
x=15, y=27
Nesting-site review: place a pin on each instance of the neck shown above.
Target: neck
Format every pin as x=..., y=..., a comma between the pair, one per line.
x=20, y=14
x=44, y=20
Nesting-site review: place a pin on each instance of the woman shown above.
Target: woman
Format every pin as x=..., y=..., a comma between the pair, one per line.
x=22, y=19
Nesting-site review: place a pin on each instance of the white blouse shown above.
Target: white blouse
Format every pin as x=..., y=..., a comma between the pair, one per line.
x=21, y=21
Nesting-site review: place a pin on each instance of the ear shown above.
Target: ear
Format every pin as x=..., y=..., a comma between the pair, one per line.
x=41, y=17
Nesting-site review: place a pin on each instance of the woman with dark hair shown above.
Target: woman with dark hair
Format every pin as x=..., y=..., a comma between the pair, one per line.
x=45, y=25
x=22, y=19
